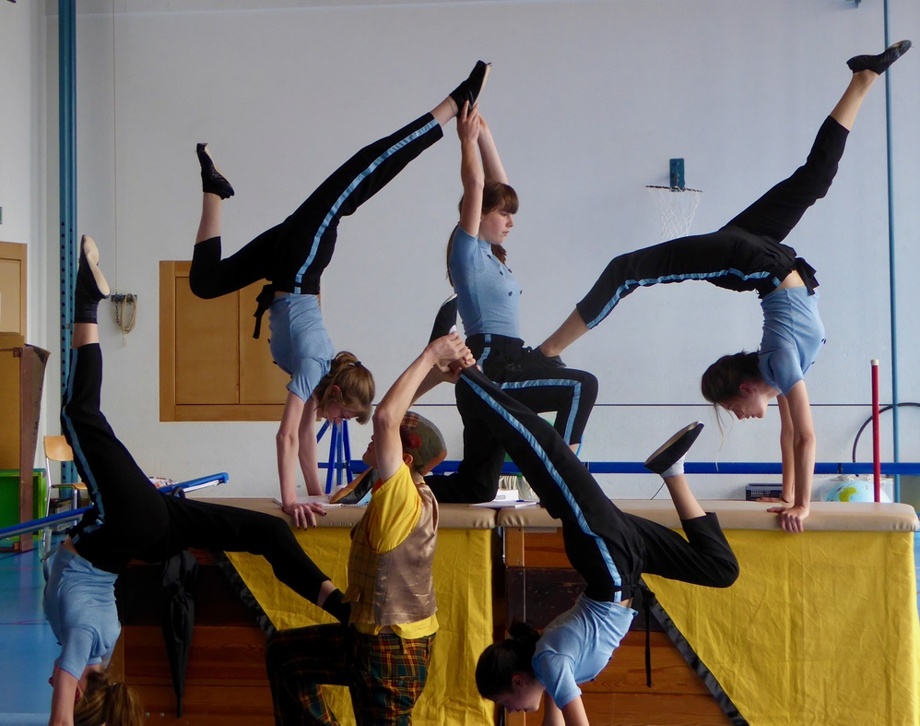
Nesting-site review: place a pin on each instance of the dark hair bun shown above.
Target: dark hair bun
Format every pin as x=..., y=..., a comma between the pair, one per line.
x=523, y=632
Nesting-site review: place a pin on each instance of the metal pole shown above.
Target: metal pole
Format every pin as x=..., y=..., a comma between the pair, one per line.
x=67, y=122
x=892, y=277
x=876, y=435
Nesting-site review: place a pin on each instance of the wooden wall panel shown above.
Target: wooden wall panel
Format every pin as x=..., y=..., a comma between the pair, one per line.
x=10, y=396
x=225, y=683
x=13, y=300
x=207, y=348
x=211, y=369
x=261, y=381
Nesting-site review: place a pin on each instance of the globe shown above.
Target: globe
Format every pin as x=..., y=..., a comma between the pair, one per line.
x=855, y=490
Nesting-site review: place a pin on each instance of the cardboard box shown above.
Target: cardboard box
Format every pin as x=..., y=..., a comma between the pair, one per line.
x=753, y=492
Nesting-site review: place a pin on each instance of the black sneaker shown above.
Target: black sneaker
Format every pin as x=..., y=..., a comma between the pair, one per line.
x=671, y=451
x=88, y=271
x=881, y=62
x=356, y=492
x=212, y=181
x=534, y=358
x=445, y=322
x=469, y=90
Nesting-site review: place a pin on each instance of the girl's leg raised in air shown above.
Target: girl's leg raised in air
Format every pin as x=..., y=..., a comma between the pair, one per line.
x=705, y=557
x=773, y=216
x=116, y=484
x=211, y=276
x=294, y=254
x=777, y=212
x=306, y=239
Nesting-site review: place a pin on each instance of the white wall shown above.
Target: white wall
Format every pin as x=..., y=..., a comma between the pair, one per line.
x=588, y=101
x=23, y=155
x=22, y=181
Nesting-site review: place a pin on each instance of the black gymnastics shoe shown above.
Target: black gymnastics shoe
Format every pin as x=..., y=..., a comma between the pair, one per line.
x=445, y=322
x=91, y=284
x=881, y=62
x=212, y=181
x=671, y=451
x=358, y=491
x=470, y=89
x=535, y=358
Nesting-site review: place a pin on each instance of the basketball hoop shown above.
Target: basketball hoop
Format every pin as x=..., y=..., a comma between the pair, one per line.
x=677, y=206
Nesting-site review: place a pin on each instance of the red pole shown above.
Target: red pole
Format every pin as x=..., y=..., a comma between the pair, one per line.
x=876, y=437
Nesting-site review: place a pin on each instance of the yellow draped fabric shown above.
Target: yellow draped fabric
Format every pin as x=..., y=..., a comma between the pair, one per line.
x=463, y=586
x=820, y=628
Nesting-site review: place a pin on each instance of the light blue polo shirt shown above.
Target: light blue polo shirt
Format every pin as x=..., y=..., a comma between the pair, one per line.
x=299, y=342
x=575, y=647
x=488, y=296
x=80, y=607
x=793, y=334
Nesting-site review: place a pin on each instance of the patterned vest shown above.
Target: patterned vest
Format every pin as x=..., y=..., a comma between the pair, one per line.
x=396, y=587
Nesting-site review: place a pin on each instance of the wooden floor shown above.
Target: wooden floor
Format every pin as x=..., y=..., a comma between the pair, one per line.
x=225, y=683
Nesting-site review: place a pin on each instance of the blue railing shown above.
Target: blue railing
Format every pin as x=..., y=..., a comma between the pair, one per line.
x=55, y=519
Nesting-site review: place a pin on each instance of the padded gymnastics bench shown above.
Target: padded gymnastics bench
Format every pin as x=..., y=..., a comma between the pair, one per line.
x=820, y=627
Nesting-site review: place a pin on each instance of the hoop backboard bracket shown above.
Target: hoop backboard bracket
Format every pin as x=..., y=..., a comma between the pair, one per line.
x=677, y=174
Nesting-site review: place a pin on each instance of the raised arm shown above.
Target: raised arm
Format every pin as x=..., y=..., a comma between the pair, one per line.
x=491, y=161
x=803, y=457
x=393, y=406
x=471, y=171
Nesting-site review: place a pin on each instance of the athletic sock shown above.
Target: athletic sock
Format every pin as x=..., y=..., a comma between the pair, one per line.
x=675, y=469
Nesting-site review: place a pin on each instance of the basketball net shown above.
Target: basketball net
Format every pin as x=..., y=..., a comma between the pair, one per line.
x=676, y=205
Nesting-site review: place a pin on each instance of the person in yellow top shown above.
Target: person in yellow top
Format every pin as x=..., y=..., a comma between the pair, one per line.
x=382, y=655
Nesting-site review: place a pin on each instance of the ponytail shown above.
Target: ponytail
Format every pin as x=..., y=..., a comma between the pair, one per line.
x=355, y=382
x=108, y=703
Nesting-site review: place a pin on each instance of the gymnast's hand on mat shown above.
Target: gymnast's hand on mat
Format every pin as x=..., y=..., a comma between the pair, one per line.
x=791, y=519
x=304, y=514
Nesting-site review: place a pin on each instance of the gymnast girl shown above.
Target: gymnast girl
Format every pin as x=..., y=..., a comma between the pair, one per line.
x=748, y=254
x=609, y=548
x=489, y=302
x=292, y=256
x=130, y=519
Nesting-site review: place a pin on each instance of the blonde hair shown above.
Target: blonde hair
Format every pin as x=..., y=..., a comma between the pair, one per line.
x=108, y=703
x=355, y=383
